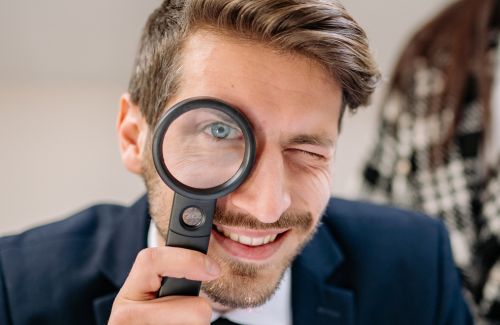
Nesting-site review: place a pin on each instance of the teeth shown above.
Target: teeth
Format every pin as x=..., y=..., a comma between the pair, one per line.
x=258, y=241
x=250, y=241
x=244, y=240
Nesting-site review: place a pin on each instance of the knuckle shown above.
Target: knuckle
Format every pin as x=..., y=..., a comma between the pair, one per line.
x=146, y=256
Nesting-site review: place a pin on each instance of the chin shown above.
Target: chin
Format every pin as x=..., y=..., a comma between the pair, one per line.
x=243, y=288
x=247, y=283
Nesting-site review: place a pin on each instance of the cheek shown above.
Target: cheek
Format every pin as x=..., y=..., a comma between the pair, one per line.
x=310, y=189
x=160, y=199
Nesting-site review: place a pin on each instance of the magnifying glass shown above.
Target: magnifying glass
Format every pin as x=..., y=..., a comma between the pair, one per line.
x=203, y=149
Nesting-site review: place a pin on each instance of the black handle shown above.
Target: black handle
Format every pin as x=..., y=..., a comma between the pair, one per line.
x=184, y=236
x=183, y=287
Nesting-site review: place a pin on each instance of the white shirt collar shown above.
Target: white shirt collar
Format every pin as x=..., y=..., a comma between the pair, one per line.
x=277, y=311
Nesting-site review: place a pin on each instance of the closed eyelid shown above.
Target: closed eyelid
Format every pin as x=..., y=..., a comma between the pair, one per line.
x=315, y=140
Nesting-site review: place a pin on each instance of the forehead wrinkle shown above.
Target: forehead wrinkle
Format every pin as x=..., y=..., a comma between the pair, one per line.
x=232, y=79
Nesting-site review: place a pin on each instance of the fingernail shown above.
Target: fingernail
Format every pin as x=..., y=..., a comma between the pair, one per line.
x=212, y=267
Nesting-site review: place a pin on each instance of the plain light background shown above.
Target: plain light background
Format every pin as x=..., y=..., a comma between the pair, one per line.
x=64, y=65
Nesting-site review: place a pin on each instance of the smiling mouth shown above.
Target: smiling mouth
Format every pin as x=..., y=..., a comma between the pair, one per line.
x=247, y=243
x=246, y=240
x=250, y=237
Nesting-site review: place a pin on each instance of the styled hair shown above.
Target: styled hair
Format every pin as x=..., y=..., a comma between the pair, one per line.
x=321, y=30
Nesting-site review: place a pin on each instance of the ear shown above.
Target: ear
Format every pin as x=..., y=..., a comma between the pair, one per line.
x=132, y=132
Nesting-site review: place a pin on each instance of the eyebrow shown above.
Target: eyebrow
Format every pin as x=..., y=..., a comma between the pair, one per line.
x=312, y=139
x=223, y=116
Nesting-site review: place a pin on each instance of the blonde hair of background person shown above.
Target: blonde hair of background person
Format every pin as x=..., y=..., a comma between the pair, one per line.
x=438, y=148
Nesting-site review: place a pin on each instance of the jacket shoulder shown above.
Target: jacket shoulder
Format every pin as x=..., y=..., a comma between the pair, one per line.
x=85, y=224
x=380, y=238
x=49, y=274
x=349, y=220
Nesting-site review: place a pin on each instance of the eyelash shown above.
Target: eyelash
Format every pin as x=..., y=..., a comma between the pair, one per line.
x=311, y=154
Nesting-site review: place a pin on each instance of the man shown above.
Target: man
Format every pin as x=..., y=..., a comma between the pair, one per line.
x=291, y=67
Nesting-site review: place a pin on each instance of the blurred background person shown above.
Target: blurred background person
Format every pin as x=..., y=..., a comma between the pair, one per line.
x=438, y=145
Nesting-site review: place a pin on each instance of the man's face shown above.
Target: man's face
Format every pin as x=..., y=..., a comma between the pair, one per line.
x=294, y=106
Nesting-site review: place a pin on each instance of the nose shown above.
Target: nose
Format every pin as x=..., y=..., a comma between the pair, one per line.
x=264, y=194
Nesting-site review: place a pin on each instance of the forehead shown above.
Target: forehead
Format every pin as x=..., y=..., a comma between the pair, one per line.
x=275, y=90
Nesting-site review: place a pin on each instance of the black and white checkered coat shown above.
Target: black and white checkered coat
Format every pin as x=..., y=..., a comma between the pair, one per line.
x=463, y=191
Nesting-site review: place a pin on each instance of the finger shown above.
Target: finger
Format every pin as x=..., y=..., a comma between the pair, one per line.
x=168, y=310
x=152, y=264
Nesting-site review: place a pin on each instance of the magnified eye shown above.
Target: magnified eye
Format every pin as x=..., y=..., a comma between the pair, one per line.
x=221, y=130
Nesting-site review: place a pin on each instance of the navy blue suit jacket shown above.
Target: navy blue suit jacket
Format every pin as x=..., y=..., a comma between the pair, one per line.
x=366, y=264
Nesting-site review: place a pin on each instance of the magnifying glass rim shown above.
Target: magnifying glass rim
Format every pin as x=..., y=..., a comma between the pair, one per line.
x=206, y=193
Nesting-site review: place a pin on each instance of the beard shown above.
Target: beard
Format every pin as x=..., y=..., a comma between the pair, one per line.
x=245, y=284
x=241, y=284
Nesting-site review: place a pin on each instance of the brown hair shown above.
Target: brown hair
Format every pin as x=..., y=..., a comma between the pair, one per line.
x=457, y=41
x=319, y=29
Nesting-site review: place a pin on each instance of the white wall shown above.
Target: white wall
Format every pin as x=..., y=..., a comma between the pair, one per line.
x=63, y=66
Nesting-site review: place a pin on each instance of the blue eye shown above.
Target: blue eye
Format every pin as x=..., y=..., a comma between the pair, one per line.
x=220, y=130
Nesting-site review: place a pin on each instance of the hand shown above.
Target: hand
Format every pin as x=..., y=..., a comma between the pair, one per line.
x=137, y=301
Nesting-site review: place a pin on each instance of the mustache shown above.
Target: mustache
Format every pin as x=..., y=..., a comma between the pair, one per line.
x=300, y=221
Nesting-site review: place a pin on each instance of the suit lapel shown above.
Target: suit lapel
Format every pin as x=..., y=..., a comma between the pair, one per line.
x=314, y=300
x=118, y=251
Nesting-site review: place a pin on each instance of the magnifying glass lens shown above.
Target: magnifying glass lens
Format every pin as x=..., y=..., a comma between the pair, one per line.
x=203, y=148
